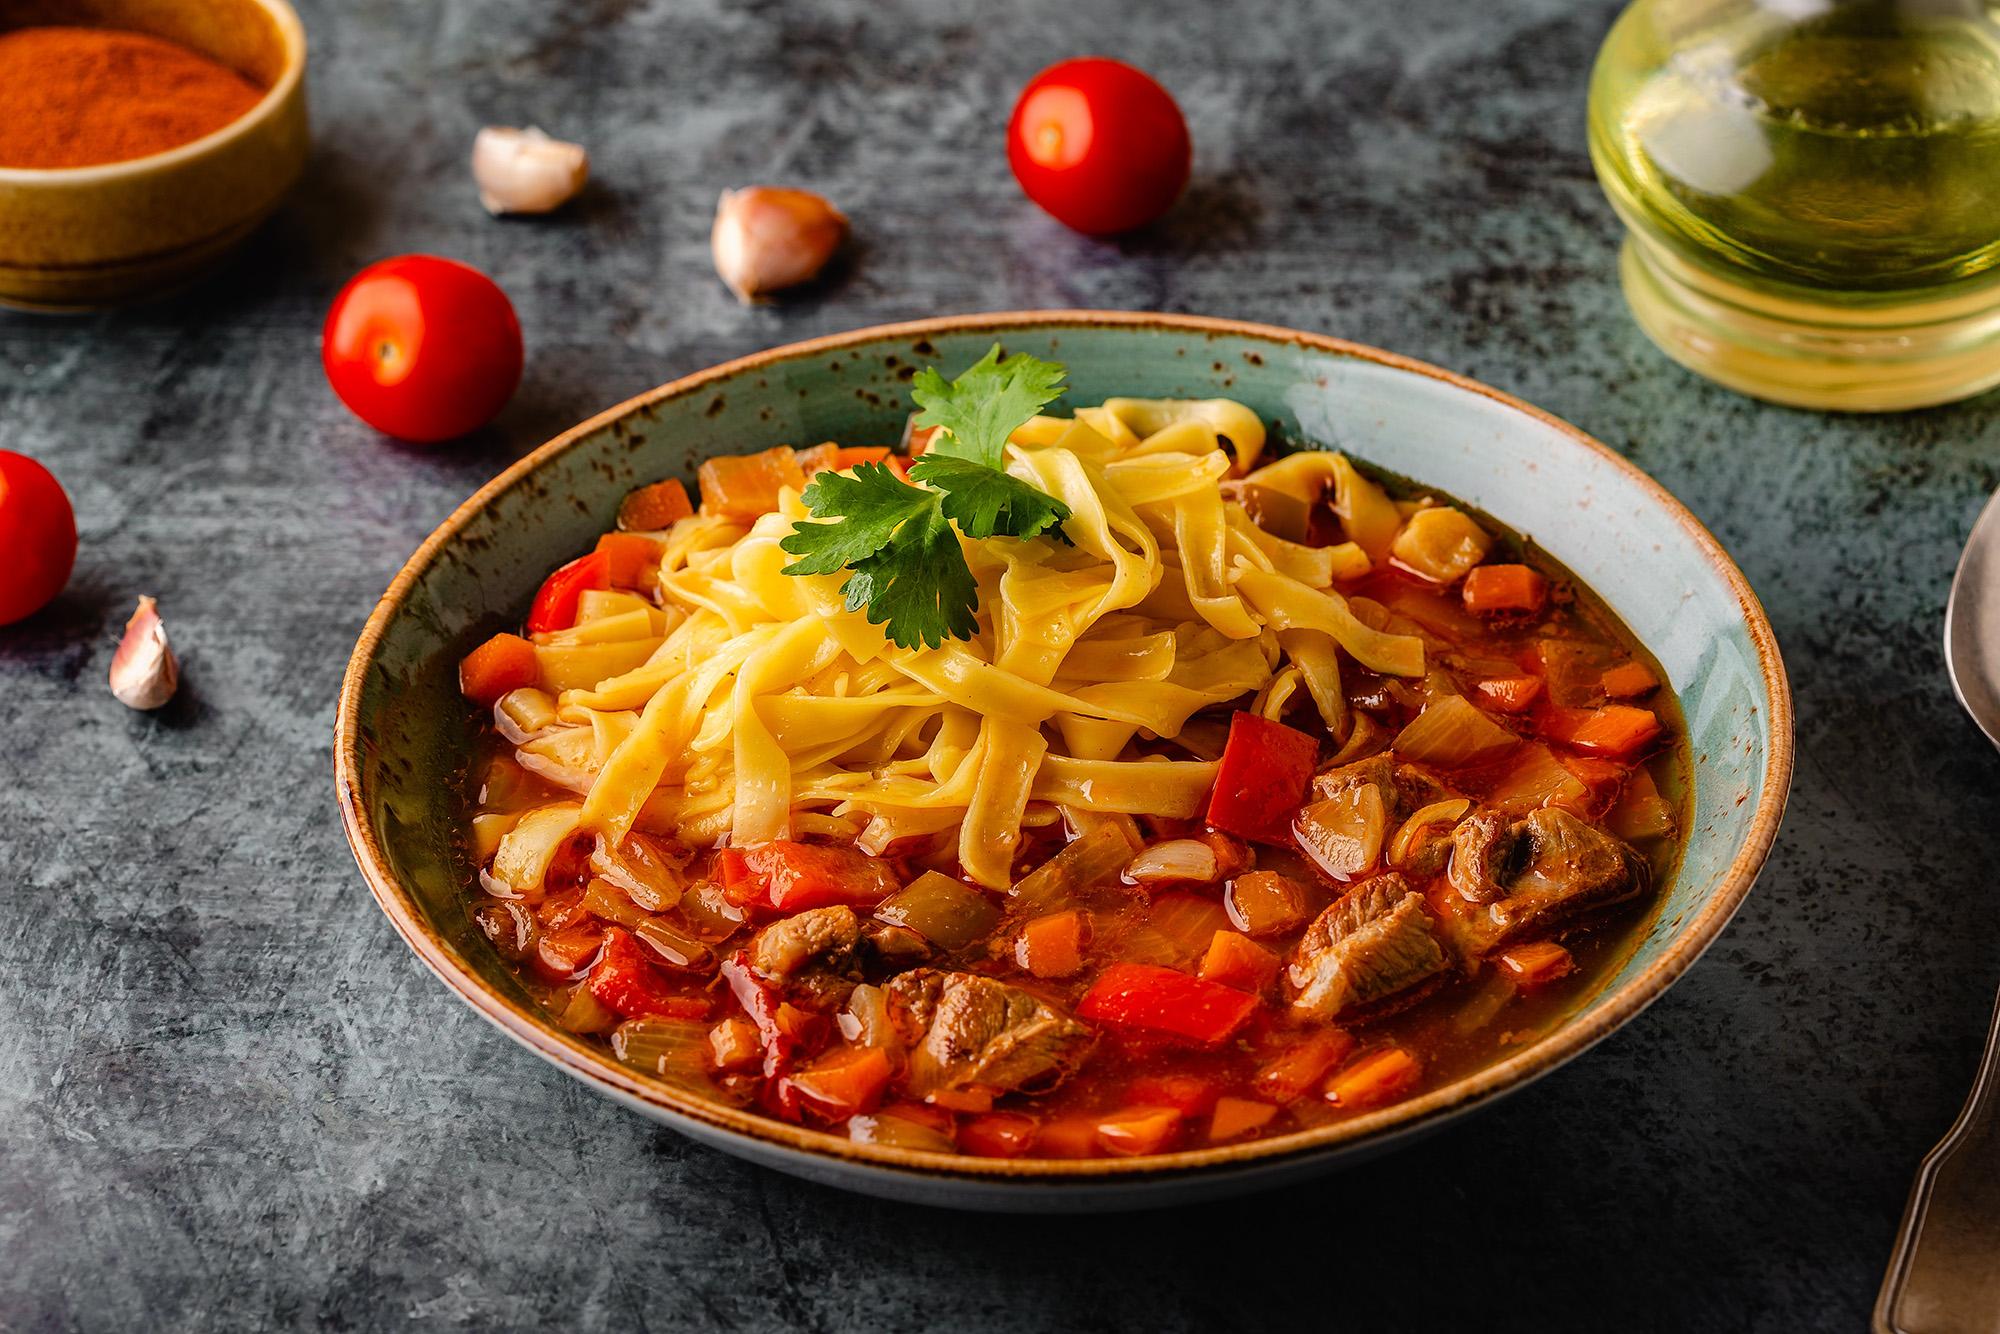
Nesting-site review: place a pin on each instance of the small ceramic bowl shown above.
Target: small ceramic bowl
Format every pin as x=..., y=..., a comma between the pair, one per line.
x=76, y=238
x=403, y=735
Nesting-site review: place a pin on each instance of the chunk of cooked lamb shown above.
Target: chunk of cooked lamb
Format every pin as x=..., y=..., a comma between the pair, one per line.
x=818, y=938
x=1374, y=946
x=1517, y=877
x=1404, y=787
x=966, y=1031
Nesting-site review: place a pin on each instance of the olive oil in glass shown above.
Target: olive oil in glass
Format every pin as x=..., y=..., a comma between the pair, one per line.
x=1812, y=192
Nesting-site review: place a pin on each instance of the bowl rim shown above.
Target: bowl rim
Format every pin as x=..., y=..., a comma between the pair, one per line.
x=601, y=1070
x=291, y=33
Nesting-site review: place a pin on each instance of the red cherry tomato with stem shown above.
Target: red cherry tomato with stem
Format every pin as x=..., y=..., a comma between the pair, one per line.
x=1099, y=144
x=37, y=537
x=422, y=348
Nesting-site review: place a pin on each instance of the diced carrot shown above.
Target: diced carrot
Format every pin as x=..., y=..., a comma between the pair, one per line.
x=629, y=556
x=733, y=1045
x=747, y=485
x=1236, y=1117
x=1190, y=1094
x=917, y=439
x=794, y=876
x=1536, y=963
x=1288, y=1076
x=843, y=1082
x=1261, y=779
x=1138, y=1130
x=651, y=508
x=1162, y=1001
x=1629, y=680
x=931, y=1118
x=1051, y=946
x=501, y=664
x=838, y=458
x=1510, y=694
x=1379, y=1077
x=1235, y=960
x=999, y=1134
x=1617, y=730
x=556, y=601
x=1067, y=1137
x=961, y=1100
x=560, y=955
x=1504, y=588
x=795, y=1022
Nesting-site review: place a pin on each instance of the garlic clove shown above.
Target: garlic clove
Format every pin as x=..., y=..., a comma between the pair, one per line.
x=144, y=674
x=766, y=238
x=526, y=171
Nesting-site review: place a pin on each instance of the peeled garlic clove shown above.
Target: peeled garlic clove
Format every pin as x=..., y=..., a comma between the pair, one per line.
x=766, y=238
x=144, y=674
x=525, y=171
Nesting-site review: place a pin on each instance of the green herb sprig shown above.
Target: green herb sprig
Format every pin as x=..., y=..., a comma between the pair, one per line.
x=897, y=540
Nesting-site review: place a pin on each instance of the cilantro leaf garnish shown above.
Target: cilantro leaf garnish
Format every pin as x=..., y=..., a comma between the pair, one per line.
x=899, y=540
x=984, y=501
x=981, y=408
x=873, y=504
x=918, y=583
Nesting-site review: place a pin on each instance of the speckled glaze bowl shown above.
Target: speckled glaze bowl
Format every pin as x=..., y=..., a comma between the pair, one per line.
x=402, y=737
x=77, y=238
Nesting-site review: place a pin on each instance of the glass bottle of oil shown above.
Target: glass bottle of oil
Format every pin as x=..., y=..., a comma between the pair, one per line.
x=1812, y=192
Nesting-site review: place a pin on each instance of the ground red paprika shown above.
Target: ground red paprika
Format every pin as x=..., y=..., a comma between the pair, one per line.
x=75, y=97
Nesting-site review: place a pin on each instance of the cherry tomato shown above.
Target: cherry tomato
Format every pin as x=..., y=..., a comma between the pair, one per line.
x=1098, y=144
x=422, y=348
x=37, y=537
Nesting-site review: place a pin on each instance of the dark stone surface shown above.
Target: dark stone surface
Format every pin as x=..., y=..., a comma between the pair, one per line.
x=230, y=1098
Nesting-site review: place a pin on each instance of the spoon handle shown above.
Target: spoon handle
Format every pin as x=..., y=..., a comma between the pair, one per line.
x=1945, y=1275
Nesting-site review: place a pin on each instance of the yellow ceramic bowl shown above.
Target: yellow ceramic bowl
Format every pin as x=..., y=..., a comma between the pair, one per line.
x=74, y=238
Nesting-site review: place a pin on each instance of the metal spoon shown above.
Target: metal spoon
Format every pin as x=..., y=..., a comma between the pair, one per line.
x=1945, y=1275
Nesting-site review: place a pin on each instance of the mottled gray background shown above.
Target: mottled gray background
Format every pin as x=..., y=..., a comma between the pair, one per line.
x=230, y=1097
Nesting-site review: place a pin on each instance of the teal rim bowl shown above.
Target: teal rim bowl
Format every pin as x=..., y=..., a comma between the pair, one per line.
x=403, y=735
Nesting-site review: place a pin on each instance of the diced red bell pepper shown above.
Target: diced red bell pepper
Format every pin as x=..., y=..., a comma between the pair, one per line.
x=628, y=556
x=555, y=604
x=1616, y=730
x=501, y=664
x=624, y=981
x=1159, y=1000
x=1262, y=778
x=761, y=1002
x=794, y=876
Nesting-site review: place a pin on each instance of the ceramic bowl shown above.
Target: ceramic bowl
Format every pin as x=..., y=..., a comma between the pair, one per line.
x=402, y=736
x=76, y=238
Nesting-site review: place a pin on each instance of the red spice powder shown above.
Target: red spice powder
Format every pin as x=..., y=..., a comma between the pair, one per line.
x=75, y=97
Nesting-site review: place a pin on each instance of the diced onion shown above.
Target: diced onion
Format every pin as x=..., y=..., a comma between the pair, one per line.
x=897, y=1131
x=1448, y=812
x=642, y=867
x=671, y=947
x=1095, y=856
x=1343, y=834
x=1451, y=732
x=942, y=910
x=865, y=1021
x=1176, y=859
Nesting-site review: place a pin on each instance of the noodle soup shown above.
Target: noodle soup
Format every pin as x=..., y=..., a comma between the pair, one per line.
x=1225, y=796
